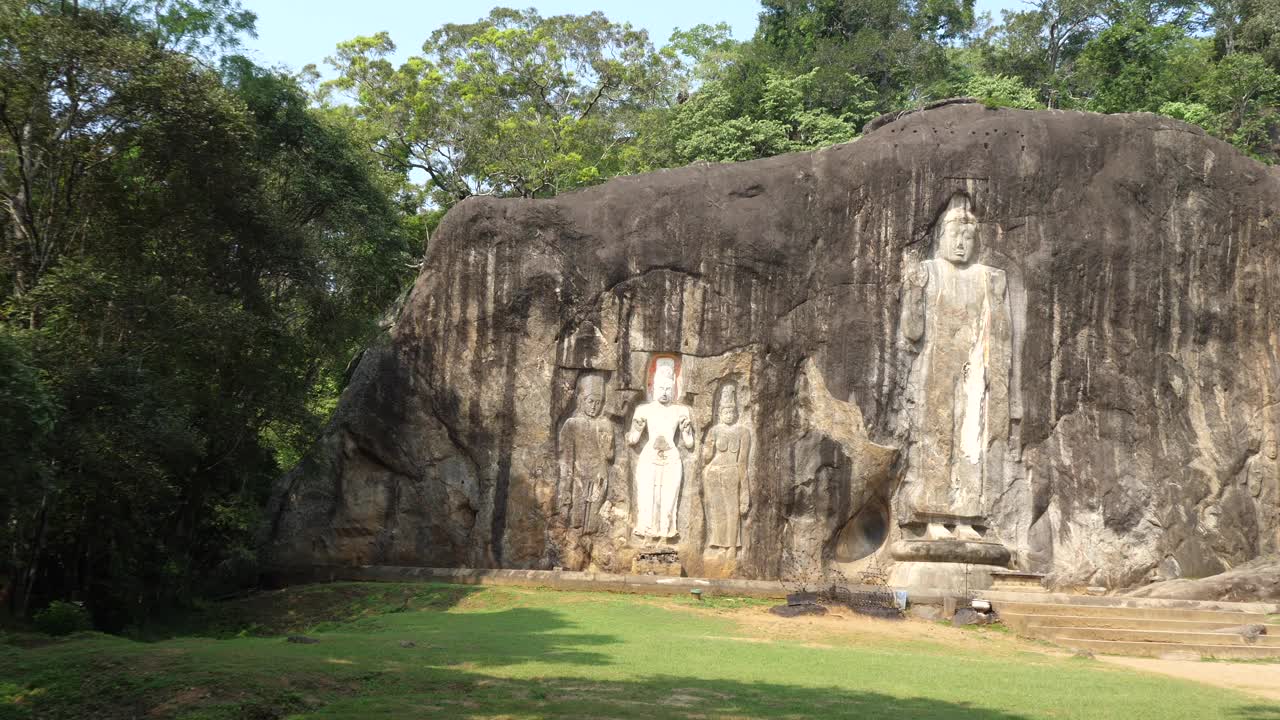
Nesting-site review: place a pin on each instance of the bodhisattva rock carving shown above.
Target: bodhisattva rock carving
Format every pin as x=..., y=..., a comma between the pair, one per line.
x=660, y=427
x=586, y=453
x=971, y=339
x=726, y=457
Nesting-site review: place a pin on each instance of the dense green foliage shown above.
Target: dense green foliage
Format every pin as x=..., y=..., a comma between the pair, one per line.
x=514, y=104
x=389, y=650
x=62, y=618
x=192, y=247
x=523, y=105
x=189, y=255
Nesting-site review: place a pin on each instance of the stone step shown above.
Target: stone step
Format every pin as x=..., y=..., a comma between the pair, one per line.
x=1166, y=637
x=1020, y=622
x=1001, y=596
x=1153, y=649
x=1137, y=613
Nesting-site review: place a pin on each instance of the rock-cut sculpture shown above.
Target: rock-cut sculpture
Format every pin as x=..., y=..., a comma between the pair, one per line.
x=726, y=457
x=586, y=452
x=663, y=425
x=957, y=311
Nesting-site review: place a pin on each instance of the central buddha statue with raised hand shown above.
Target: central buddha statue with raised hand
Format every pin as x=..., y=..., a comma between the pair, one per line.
x=956, y=313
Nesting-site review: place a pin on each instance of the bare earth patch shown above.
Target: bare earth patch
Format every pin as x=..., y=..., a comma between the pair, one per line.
x=843, y=627
x=1256, y=678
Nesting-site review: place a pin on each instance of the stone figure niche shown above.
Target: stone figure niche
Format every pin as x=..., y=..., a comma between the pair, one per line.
x=726, y=473
x=660, y=427
x=955, y=315
x=586, y=453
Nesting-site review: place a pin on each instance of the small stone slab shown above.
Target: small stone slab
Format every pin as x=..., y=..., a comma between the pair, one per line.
x=1250, y=632
x=969, y=616
x=802, y=598
x=931, y=613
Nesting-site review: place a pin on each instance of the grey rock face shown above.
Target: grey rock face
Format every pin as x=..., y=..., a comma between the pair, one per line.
x=1254, y=581
x=1137, y=262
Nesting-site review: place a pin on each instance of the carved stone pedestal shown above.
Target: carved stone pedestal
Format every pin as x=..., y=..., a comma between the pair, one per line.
x=947, y=553
x=657, y=561
x=970, y=552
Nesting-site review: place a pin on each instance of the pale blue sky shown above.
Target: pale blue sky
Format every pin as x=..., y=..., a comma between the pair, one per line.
x=296, y=32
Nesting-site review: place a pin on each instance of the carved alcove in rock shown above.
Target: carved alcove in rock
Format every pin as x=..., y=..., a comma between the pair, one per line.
x=864, y=534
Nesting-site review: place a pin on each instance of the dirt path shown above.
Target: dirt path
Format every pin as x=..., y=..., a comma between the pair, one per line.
x=837, y=629
x=846, y=628
x=1256, y=678
x=1259, y=679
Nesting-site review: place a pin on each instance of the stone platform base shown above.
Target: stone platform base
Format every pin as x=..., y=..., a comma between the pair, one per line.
x=944, y=577
x=1018, y=582
x=280, y=576
x=951, y=551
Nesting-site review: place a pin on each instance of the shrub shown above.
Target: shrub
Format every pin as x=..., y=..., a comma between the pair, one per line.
x=62, y=618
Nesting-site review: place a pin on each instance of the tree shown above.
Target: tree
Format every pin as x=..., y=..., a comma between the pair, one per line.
x=56, y=62
x=514, y=104
x=1245, y=26
x=193, y=255
x=1040, y=45
x=707, y=128
x=1002, y=91
x=899, y=46
x=1243, y=91
x=1135, y=65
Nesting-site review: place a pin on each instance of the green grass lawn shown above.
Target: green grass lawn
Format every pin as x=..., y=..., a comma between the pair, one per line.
x=516, y=653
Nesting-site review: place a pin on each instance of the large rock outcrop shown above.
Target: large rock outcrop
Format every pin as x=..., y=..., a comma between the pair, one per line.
x=1254, y=581
x=758, y=366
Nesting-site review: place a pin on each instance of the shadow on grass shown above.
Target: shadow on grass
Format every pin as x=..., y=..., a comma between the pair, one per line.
x=407, y=660
x=1259, y=712
x=302, y=608
x=466, y=695
x=496, y=639
x=380, y=657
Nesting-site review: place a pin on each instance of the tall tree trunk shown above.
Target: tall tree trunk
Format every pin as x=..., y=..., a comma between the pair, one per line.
x=27, y=580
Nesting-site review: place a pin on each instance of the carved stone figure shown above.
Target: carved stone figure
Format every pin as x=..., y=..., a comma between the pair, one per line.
x=659, y=469
x=957, y=311
x=1262, y=479
x=586, y=452
x=726, y=458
